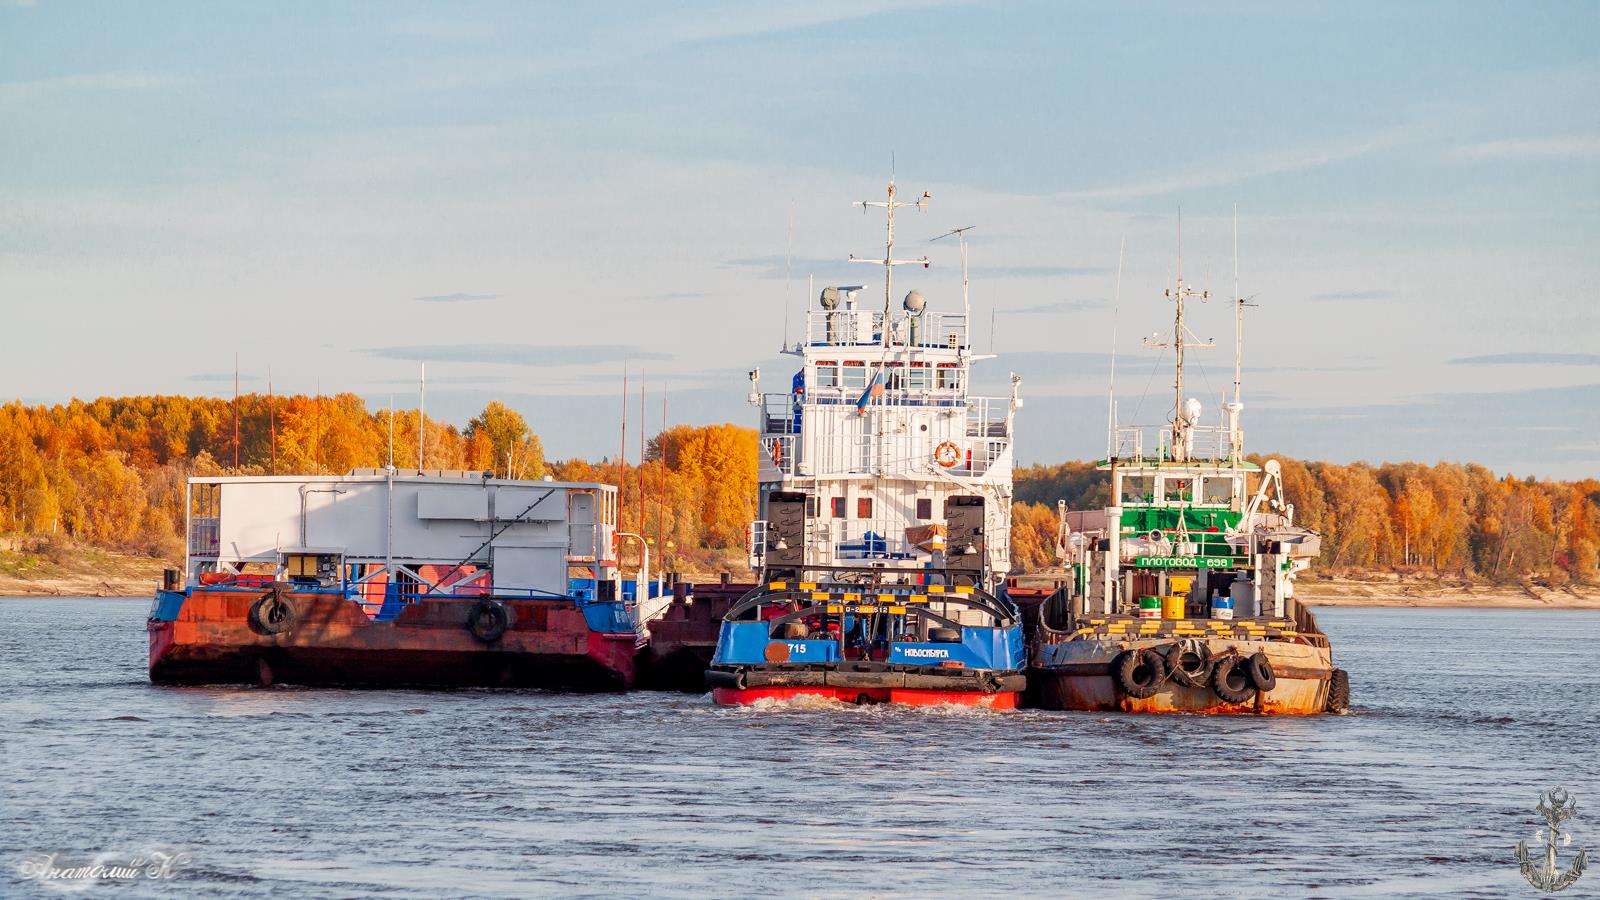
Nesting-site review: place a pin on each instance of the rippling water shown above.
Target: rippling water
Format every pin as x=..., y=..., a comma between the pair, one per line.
x=1461, y=718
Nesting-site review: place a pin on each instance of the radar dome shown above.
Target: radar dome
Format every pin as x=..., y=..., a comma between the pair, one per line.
x=915, y=302
x=1191, y=410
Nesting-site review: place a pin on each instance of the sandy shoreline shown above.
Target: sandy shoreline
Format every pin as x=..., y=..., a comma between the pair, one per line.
x=123, y=576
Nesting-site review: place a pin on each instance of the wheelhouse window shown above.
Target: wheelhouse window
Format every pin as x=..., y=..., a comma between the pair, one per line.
x=1178, y=490
x=1138, y=488
x=918, y=378
x=827, y=376
x=1216, y=491
x=948, y=379
x=854, y=375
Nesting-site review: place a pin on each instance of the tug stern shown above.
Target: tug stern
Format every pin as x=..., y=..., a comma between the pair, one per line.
x=870, y=644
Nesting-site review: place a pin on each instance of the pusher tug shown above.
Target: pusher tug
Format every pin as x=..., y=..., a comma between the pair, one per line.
x=1182, y=595
x=387, y=577
x=885, y=512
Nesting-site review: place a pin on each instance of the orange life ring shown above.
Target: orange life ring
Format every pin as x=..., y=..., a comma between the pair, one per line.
x=947, y=454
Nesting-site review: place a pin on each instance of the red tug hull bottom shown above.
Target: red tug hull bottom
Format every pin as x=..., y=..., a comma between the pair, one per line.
x=865, y=696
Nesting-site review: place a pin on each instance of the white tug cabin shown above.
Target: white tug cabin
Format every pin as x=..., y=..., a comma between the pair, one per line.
x=875, y=454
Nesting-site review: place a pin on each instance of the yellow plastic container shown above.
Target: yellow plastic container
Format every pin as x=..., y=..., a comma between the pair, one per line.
x=1180, y=584
x=1172, y=607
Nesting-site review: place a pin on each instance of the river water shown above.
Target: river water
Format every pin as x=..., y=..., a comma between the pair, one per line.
x=1461, y=718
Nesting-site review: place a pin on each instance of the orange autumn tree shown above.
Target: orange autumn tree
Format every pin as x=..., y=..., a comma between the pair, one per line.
x=111, y=472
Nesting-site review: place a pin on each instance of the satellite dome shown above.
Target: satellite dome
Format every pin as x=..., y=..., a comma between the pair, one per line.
x=1191, y=410
x=915, y=302
x=830, y=298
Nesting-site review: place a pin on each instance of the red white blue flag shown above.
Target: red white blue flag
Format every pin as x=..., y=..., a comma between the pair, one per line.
x=874, y=389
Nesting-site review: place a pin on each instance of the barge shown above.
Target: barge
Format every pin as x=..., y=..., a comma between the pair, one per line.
x=1181, y=595
x=884, y=515
x=390, y=577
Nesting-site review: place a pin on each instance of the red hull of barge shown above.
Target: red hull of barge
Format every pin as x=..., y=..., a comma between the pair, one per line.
x=548, y=644
x=862, y=696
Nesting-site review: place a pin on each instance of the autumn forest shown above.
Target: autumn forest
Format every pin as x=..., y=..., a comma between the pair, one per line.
x=110, y=473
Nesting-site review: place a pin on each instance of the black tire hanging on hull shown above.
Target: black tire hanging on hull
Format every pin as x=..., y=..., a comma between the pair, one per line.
x=1339, y=692
x=1140, y=673
x=1231, y=680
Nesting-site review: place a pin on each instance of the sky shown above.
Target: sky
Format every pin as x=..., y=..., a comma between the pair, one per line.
x=527, y=197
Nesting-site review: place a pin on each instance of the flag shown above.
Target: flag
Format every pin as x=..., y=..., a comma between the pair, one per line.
x=874, y=389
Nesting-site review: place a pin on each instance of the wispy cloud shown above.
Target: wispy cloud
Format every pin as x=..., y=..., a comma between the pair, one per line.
x=1056, y=307
x=1530, y=358
x=1354, y=295
x=517, y=354
x=457, y=297
x=92, y=81
x=220, y=377
x=1221, y=173
x=778, y=266
x=1569, y=147
x=671, y=297
x=1035, y=271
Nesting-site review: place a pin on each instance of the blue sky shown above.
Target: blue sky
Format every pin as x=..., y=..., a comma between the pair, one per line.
x=525, y=196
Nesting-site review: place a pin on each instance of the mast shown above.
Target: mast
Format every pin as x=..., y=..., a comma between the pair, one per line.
x=1179, y=293
x=422, y=415
x=889, y=262
x=966, y=301
x=272, y=420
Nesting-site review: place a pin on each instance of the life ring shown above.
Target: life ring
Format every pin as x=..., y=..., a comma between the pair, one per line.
x=1261, y=674
x=1140, y=672
x=488, y=620
x=947, y=454
x=273, y=613
x=1231, y=680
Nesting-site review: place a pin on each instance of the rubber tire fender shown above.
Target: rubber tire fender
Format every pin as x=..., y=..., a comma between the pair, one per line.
x=488, y=620
x=1126, y=668
x=1261, y=674
x=1231, y=680
x=1339, y=692
x=1197, y=675
x=273, y=613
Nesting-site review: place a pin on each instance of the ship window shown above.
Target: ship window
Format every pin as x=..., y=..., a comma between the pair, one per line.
x=1216, y=490
x=811, y=506
x=863, y=507
x=917, y=379
x=854, y=376
x=924, y=507
x=827, y=376
x=1138, y=488
x=949, y=379
x=1179, y=490
x=837, y=504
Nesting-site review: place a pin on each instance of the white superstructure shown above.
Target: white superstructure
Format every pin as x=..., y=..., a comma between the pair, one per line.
x=516, y=536
x=900, y=467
